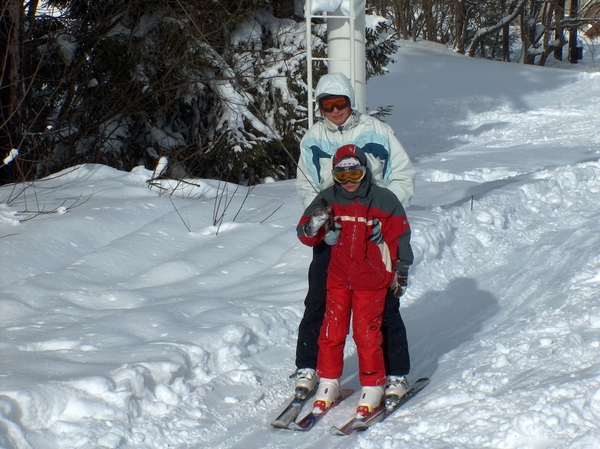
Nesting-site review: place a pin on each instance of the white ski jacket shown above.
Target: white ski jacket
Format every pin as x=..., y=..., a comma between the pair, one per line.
x=389, y=164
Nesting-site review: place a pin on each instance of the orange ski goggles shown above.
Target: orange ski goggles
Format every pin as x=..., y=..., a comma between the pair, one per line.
x=354, y=174
x=335, y=101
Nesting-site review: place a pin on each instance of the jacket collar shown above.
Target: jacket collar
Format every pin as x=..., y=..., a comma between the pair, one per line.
x=348, y=124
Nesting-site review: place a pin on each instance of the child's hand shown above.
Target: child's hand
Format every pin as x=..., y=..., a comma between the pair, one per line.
x=399, y=285
x=317, y=219
x=333, y=235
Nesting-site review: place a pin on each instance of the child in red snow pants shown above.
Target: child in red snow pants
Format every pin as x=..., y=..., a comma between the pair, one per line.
x=366, y=308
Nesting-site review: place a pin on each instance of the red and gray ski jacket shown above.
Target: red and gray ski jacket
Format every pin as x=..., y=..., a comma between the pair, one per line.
x=357, y=262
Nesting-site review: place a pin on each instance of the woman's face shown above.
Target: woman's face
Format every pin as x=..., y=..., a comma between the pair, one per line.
x=336, y=109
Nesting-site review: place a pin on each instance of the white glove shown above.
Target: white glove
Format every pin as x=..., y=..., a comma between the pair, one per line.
x=317, y=219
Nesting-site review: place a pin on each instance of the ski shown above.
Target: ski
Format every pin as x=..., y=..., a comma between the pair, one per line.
x=309, y=421
x=380, y=413
x=356, y=423
x=291, y=412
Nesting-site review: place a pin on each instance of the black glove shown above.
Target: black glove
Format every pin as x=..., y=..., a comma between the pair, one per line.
x=376, y=235
x=400, y=283
x=317, y=219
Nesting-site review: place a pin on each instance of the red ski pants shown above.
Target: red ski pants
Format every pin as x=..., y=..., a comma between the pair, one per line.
x=366, y=308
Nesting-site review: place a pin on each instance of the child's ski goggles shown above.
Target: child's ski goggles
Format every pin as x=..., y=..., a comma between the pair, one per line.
x=340, y=102
x=354, y=174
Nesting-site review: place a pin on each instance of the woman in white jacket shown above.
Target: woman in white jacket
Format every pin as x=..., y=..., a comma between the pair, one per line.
x=391, y=168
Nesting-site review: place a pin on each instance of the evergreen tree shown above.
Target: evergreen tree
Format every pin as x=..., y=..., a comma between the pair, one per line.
x=11, y=94
x=216, y=87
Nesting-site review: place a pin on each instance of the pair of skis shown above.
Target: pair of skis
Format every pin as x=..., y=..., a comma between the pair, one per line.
x=380, y=413
x=287, y=418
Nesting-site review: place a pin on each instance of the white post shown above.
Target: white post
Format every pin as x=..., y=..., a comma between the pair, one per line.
x=346, y=49
x=309, y=62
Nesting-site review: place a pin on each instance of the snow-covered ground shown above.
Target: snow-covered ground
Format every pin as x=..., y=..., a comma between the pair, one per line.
x=130, y=318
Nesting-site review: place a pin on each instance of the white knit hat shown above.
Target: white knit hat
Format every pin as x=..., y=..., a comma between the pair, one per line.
x=348, y=162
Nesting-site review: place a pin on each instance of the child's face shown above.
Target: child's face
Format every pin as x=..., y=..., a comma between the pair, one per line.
x=349, y=178
x=350, y=186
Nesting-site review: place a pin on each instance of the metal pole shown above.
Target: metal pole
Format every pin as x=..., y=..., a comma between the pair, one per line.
x=346, y=46
x=309, y=62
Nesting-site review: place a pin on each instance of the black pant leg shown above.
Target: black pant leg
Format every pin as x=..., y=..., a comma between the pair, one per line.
x=307, y=348
x=395, y=343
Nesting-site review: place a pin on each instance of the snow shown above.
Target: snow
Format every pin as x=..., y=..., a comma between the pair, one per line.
x=11, y=156
x=136, y=318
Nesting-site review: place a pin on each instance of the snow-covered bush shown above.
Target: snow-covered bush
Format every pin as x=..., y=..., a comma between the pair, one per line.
x=216, y=87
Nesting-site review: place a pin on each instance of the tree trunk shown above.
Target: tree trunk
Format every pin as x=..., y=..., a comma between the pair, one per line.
x=31, y=13
x=505, y=37
x=460, y=25
x=10, y=82
x=559, y=35
x=528, y=22
x=401, y=9
x=573, y=13
x=430, y=25
x=546, y=17
x=506, y=44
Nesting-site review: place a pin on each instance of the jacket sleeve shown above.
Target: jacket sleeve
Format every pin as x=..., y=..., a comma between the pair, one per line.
x=400, y=173
x=396, y=230
x=305, y=183
x=405, y=253
x=307, y=177
x=398, y=235
x=310, y=241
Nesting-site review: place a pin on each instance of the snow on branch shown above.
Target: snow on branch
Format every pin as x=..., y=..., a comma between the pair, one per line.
x=483, y=32
x=11, y=157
